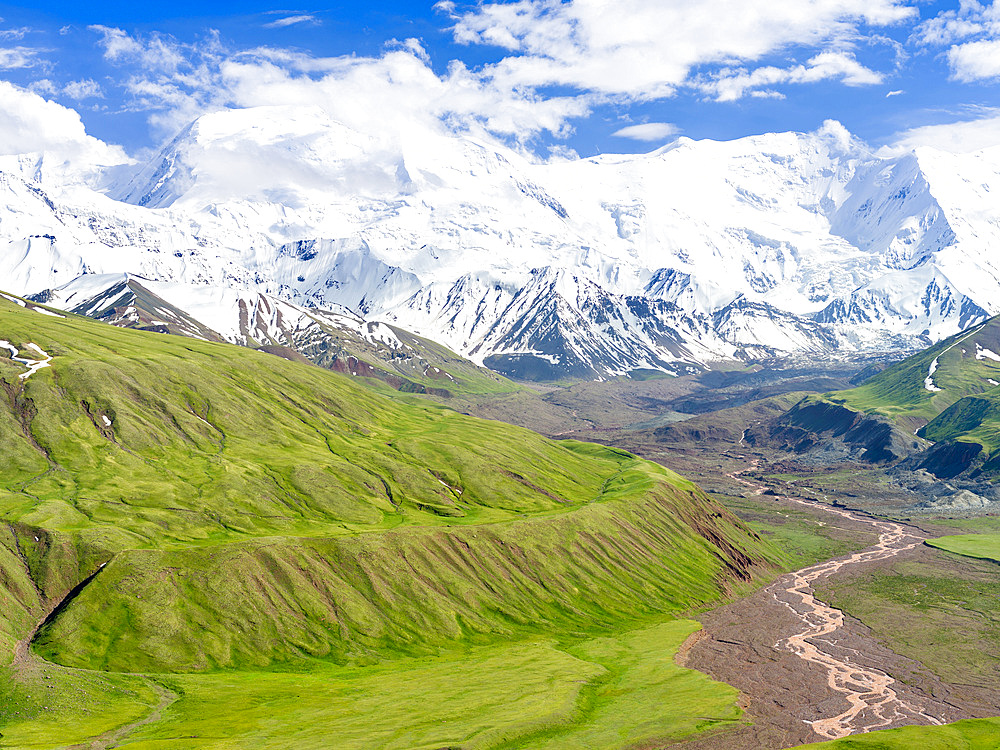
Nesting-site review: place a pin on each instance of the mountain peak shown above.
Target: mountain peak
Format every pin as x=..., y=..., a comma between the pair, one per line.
x=639, y=260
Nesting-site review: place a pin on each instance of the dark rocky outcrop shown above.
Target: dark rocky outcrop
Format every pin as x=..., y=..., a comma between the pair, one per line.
x=948, y=460
x=836, y=432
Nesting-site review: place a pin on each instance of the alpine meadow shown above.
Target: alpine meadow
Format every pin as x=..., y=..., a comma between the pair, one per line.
x=500, y=375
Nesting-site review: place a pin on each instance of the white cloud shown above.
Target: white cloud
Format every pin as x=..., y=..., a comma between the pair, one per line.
x=835, y=134
x=15, y=34
x=43, y=87
x=155, y=53
x=729, y=85
x=32, y=124
x=591, y=52
x=972, y=35
x=83, y=89
x=281, y=23
x=646, y=49
x=378, y=95
x=958, y=137
x=975, y=61
x=648, y=131
x=895, y=92
x=19, y=57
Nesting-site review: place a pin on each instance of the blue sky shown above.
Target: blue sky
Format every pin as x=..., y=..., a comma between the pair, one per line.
x=558, y=77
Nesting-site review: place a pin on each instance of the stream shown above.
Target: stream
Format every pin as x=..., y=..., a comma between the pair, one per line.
x=873, y=701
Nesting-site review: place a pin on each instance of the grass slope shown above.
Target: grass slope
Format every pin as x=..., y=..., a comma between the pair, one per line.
x=600, y=692
x=949, y=392
x=963, y=369
x=971, y=734
x=214, y=511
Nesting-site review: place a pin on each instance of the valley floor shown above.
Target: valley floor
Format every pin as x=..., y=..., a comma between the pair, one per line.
x=542, y=694
x=925, y=616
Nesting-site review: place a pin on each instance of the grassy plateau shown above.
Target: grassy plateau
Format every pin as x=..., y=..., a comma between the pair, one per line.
x=983, y=546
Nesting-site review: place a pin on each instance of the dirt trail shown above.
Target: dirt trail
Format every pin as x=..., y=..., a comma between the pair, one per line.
x=113, y=737
x=873, y=698
x=33, y=666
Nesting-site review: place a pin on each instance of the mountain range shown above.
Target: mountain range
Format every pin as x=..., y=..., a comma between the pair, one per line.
x=787, y=243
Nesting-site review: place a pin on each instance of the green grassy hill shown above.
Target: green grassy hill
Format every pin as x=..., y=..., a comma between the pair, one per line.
x=967, y=364
x=223, y=548
x=949, y=394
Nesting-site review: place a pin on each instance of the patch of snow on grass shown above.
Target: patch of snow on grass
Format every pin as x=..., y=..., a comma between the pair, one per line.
x=982, y=353
x=107, y=422
x=43, y=311
x=929, y=380
x=15, y=300
x=991, y=381
x=32, y=365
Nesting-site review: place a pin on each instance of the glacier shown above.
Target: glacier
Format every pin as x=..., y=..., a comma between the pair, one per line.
x=701, y=251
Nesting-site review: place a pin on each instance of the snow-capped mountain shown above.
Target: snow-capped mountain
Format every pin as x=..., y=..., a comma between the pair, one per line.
x=335, y=337
x=696, y=252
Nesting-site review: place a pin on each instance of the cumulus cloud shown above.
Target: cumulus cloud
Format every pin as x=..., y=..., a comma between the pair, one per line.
x=30, y=123
x=648, y=131
x=399, y=89
x=86, y=88
x=647, y=49
x=561, y=59
x=729, y=85
x=975, y=61
x=19, y=57
x=963, y=136
x=972, y=35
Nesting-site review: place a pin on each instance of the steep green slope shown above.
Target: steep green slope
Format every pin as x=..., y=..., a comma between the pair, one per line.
x=949, y=393
x=140, y=440
x=359, y=597
x=967, y=364
x=194, y=507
